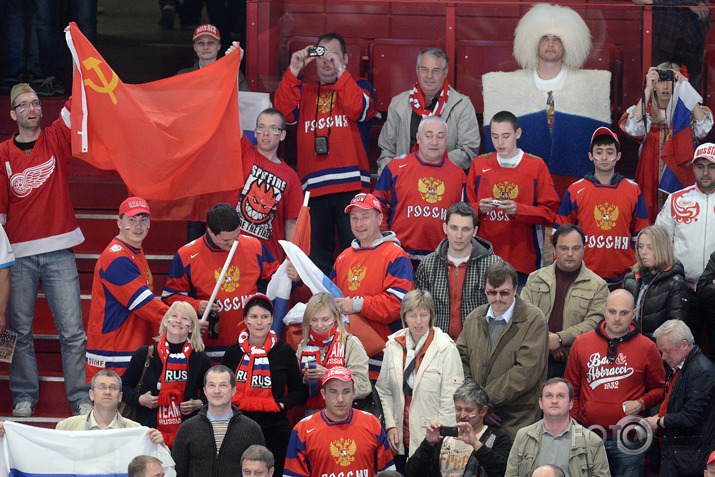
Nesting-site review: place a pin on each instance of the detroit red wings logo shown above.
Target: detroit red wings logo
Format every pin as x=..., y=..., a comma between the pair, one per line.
x=32, y=178
x=259, y=202
x=684, y=210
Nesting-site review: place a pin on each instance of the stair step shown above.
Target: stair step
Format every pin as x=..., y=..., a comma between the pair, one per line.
x=53, y=402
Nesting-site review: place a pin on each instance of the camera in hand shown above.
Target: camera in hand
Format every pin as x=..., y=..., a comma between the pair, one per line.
x=452, y=431
x=316, y=51
x=213, y=325
x=665, y=75
x=321, y=145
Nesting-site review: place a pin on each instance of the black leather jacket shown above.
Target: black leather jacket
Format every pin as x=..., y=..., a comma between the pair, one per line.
x=665, y=297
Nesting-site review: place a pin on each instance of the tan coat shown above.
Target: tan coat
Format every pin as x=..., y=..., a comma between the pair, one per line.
x=513, y=372
x=583, y=307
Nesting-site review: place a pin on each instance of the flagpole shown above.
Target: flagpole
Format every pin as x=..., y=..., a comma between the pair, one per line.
x=220, y=280
x=305, y=199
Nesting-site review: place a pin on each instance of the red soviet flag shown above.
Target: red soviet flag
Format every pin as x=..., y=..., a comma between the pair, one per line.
x=173, y=138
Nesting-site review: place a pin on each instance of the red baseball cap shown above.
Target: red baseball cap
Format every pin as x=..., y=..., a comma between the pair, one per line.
x=711, y=459
x=364, y=201
x=706, y=151
x=206, y=30
x=604, y=131
x=134, y=206
x=338, y=372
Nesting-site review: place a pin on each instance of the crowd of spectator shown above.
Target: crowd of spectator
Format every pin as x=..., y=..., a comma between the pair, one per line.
x=453, y=343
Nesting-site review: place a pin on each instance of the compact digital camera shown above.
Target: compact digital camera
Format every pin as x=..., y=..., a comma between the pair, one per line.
x=316, y=51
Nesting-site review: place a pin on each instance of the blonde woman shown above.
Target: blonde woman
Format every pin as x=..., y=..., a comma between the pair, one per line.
x=656, y=281
x=420, y=373
x=326, y=344
x=171, y=387
x=664, y=155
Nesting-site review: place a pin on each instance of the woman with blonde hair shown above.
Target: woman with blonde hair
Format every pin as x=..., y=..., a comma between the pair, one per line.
x=664, y=160
x=326, y=344
x=656, y=281
x=169, y=387
x=421, y=371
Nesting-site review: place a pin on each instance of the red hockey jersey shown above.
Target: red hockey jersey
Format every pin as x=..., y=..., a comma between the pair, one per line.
x=518, y=239
x=193, y=275
x=124, y=314
x=415, y=198
x=331, y=111
x=351, y=448
x=611, y=215
x=34, y=189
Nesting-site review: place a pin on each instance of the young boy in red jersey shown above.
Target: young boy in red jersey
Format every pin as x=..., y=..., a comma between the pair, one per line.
x=608, y=207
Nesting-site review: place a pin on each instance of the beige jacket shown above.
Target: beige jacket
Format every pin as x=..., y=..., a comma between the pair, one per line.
x=583, y=307
x=511, y=373
x=436, y=380
x=87, y=423
x=587, y=457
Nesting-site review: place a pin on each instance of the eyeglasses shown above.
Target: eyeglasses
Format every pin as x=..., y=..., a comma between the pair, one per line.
x=103, y=387
x=27, y=104
x=269, y=130
x=501, y=293
x=426, y=71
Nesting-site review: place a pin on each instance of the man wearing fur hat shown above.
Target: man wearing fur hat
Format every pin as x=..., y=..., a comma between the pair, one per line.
x=39, y=219
x=559, y=105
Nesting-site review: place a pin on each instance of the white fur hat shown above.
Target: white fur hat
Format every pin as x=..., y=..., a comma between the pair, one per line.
x=544, y=19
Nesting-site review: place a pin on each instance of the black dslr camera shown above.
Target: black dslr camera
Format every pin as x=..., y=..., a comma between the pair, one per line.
x=316, y=51
x=665, y=75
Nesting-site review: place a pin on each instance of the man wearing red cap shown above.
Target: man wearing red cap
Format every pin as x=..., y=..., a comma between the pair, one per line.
x=374, y=274
x=710, y=468
x=39, y=219
x=689, y=215
x=339, y=440
x=125, y=314
x=207, y=44
x=608, y=207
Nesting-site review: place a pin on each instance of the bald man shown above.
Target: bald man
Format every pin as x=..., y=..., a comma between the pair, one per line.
x=615, y=370
x=548, y=471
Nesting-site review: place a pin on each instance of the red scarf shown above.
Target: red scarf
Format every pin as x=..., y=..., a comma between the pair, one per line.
x=256, y=371
x=172, y=386
x=334, y=356
x=419, y=106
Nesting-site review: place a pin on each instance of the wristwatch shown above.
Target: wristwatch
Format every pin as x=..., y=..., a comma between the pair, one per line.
x=341, y=69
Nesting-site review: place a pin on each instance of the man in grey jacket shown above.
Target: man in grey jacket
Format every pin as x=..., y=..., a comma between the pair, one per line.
x=454, y=272
x=431, y=96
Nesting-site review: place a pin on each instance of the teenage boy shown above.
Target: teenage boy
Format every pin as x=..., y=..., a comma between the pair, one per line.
x=515, y=197
x=609, y=209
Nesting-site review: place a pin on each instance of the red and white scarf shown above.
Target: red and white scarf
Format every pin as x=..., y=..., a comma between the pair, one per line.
x=419, y=106
x=172, y=386
x=253, y=375
x=327, y=350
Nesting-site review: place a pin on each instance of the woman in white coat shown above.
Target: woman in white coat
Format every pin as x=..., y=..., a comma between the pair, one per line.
x=420, y=372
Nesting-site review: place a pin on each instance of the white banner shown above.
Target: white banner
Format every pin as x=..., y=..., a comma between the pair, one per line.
x=29, y=451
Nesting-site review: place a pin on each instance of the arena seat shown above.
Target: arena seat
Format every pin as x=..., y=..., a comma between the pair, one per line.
x=475, y=58
x=392, y=63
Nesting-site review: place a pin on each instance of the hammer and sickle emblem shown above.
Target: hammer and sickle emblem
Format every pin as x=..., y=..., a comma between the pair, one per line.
x=92, y=63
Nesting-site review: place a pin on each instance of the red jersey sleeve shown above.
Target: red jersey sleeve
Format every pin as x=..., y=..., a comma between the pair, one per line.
x=355, y=101
x=128, y=285
x=178, y=283
x=287, y=97
x=296, y=463
x=385, y=307
x=546, y=201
